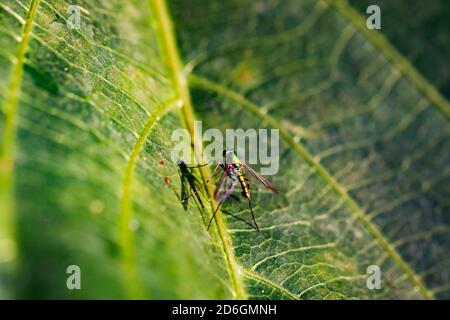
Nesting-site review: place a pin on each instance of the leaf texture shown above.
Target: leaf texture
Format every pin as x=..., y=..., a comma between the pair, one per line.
x=87, y=115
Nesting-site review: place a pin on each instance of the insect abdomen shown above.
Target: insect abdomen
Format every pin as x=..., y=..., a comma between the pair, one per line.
x=244, y=185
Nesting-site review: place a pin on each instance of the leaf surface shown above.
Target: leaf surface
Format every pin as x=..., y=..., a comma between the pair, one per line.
x=363, y=179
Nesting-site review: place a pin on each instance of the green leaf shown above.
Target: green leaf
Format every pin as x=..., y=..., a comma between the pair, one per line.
x=87, y=115
x=95, y=113
x=427, y=21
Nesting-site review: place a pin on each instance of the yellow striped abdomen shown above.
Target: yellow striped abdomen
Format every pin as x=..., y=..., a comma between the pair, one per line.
x=244, y=185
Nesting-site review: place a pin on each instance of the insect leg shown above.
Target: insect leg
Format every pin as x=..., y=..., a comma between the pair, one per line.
x=253, y=215
x=200, y=165
x=251, y=207
x=239, y=218
x=212, y=218
x=214, y=173
x=199, y=185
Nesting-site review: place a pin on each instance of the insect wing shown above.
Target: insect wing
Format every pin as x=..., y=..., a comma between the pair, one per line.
x=229, y=189
x=220, y=186
x=225, y=187
x=266, y=183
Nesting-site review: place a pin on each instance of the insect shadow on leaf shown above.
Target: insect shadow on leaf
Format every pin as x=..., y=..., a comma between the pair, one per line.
x=190, y=186
x=233, y=172
x=236, y=198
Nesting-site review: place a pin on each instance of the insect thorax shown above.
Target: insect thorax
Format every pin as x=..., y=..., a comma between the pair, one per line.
x=232, y=158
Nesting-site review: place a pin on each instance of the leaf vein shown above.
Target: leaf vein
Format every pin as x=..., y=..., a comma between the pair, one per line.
x=359, y=214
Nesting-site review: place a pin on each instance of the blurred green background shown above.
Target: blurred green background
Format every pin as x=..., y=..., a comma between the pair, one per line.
x=419, y=31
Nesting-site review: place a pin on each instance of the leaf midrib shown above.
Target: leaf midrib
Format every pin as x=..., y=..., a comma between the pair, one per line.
x=7, y=148
x=127, y=259
x=440, y=102
x=168, y=41
x=407, y=70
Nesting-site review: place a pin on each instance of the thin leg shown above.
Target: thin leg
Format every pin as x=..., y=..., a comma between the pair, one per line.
x=239, y=218
x=214, y=173
x=253, y=215
x=200, y=165
x=251, y=207
x=212, y=218
x=207, y=181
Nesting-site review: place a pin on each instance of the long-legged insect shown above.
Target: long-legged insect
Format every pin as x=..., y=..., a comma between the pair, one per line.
x=234, y=169
x=189, y=187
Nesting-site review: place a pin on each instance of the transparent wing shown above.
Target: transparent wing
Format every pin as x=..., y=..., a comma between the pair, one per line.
x=219, y=185
x=225, y=187
x=266, y=183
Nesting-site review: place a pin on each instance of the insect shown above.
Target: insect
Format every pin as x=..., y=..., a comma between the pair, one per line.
x=234, y=172
x=189, y=187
